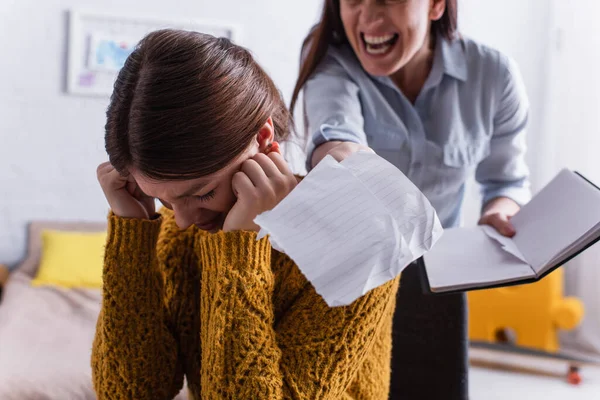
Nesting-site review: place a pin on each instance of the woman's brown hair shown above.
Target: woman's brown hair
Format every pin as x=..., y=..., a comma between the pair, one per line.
x=330, y=31
x=186, y=104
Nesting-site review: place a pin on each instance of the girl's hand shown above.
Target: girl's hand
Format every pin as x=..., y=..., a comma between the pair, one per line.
x=497, y=213
x=123, y=194
x=263, y=181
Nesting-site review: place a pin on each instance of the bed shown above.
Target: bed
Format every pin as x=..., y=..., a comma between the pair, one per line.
x=46, y=333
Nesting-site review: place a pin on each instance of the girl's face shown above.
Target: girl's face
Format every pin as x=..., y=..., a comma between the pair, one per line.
x=205, y=201
x=386, y=34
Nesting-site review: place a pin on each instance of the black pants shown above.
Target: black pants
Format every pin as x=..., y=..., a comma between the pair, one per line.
x=429, y=354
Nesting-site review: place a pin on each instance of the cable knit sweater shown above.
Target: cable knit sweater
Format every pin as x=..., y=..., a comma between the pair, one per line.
x=234, y=317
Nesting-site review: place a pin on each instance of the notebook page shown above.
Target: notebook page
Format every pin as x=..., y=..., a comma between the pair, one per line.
x=352, y=226
x=576, y=247
x=556, y=218
x=506, y=242
x=467, y=258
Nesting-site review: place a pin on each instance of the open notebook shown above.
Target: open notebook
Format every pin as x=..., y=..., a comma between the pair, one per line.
x=561, y=221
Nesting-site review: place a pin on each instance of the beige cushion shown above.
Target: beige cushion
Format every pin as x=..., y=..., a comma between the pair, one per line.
x=31, y=262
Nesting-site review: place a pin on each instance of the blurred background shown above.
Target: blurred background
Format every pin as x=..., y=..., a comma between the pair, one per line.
x=52, y=114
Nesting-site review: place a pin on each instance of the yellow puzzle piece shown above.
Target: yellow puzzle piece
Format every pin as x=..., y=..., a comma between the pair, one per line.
x=534, y=312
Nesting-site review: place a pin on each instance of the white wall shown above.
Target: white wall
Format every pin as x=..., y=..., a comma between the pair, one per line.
x=572, y=123
x=572, y=130
x=520, y=29
x=51, y=143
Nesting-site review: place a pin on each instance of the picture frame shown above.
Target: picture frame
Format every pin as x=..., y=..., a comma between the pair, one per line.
x=99, y=43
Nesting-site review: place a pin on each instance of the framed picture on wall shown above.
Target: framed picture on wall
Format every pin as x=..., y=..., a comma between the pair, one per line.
x=99, y=44
x=108, y=52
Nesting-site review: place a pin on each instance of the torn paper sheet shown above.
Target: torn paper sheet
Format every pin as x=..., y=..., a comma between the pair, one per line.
x=352, y=226
x=507, y=243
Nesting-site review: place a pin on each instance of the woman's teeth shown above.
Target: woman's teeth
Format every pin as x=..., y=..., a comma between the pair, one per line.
x=378, y=50
x=378, y=39
x=379, y=44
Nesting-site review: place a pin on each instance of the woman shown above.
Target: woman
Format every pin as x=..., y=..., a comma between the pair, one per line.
x=395, y=76
x=190, y=291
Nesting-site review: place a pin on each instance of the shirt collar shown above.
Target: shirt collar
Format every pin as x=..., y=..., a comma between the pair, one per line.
x=450, y=55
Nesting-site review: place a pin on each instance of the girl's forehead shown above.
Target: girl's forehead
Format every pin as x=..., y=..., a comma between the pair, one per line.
x=172, y=190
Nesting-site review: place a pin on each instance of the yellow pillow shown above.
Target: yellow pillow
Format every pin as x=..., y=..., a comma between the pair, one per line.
x=71, y=259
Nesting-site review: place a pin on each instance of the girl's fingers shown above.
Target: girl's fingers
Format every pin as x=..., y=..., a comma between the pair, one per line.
x=242, y=184
x=255, y=173
x=280, y=163
x=267, y=164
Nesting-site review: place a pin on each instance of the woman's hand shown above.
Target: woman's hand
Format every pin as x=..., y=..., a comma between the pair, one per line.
x=338, y=150
x=123, y=194
x=498, y=212
x=263, y=181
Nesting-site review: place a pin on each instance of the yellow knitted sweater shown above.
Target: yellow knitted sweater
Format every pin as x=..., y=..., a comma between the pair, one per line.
x=234, y=317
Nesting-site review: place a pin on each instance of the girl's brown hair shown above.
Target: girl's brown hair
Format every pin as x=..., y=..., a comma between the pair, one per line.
x=186, y=104
x=330, y=31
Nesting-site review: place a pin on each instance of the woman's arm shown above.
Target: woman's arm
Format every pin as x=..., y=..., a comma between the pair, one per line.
x=136, y=348
x=333, y=112
x=313, y=352
x=338, y=150
x=504, y=174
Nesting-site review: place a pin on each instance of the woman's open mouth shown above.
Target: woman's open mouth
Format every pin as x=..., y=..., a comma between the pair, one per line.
x=380, y=44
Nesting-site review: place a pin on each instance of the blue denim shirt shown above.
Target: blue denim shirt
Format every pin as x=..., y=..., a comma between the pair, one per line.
x=470, y=117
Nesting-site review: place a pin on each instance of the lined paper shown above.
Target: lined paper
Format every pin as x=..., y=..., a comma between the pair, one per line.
x=352, y=226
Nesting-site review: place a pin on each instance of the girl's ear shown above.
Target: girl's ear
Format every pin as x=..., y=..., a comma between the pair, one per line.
x=266, y=135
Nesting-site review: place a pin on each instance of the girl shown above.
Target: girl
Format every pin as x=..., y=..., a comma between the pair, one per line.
x=190, y=291
x=395, y=76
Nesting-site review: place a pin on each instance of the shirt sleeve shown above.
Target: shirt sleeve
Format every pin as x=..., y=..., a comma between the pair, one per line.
x=332, y=107
x=504, y=173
